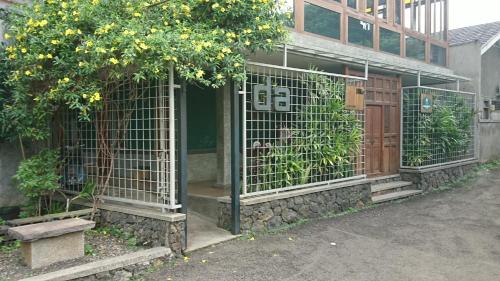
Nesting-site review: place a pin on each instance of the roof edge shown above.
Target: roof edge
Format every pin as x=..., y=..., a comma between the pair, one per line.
x=491, y=42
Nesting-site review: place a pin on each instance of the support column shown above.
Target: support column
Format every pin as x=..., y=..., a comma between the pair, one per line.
x=235, y=160
x=223, y=107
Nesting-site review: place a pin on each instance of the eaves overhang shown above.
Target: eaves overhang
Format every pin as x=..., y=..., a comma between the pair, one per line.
x=308, y=45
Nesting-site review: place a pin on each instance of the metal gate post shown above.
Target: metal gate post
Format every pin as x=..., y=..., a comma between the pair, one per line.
x=235, y=160
x=182, y=150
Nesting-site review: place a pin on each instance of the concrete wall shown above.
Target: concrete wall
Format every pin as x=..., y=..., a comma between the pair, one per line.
x=466, y=60
x=202, y=167
x=490, y=80
x=10, y=156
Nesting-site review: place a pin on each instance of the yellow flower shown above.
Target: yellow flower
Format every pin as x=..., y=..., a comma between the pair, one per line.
x=69, y=32
x=114, y=61
x=12, y=56
x=81, y=64
x=66, y=79
x=237, y=64
x=200, y=73
x=226, y=50
x=90, y=44
x=23, y=50
x=97, y=96
x=143, y=46
x=43, y=23
x=41, y=56
x=95, y=2
x=219, y=76
x=215, y=6
x=136, y=14
x=6, y=36
x=184, y=36
x=28, y=73
x=54, y=42
x=49, y=56
x=84, y=96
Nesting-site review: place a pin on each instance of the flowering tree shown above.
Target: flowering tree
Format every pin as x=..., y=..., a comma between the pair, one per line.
x=74, y=53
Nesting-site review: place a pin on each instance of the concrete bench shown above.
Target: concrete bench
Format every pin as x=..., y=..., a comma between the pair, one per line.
x=46, y=243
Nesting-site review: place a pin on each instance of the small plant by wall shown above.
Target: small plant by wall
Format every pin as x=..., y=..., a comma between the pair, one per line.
x=442, y=133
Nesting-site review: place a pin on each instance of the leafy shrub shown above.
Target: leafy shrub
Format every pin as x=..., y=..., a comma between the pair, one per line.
x=38, y=178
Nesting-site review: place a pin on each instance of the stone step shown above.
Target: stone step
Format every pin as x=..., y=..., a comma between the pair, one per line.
x=205, y=205
x=383, y=188
x=395, y=196
x=385, y=179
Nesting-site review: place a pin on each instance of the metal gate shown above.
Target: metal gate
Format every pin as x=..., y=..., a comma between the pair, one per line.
x=297, y=131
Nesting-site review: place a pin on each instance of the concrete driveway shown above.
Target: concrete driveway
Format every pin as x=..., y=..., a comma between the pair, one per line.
x=452, y=235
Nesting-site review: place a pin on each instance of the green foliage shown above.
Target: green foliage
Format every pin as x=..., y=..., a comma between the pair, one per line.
x=441, y=136
x=322, y=144
x=38, y=178
x=75, y=54
x=117, y=232
x=89, y=250
x=9, y=246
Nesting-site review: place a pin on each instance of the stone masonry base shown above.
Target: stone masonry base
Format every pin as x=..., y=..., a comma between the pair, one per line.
x=272, y=211
x=428, y=179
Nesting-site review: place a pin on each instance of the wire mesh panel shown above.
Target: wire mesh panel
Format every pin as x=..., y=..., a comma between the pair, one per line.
x=124, y=150
x=438, y=126
x=297, y=131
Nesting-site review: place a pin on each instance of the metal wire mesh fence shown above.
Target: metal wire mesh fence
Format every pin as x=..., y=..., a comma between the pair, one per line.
x=125, y=149
x=297, y=131
x=438, y=126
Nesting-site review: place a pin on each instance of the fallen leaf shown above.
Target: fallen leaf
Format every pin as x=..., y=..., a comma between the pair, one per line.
x=290, y=238
x=186, y=259
x=333, y=244
x=203, y=261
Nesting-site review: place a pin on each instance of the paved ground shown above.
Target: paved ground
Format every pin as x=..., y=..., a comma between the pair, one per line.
x=452, y=235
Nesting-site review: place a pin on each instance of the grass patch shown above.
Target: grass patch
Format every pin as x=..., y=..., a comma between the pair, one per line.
x=116, y=232
x=9, y=247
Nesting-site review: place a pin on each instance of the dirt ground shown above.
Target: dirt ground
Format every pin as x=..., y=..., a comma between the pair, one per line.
x=451, y=235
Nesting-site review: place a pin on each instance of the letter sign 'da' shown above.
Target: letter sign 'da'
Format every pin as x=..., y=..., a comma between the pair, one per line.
x=265, y=98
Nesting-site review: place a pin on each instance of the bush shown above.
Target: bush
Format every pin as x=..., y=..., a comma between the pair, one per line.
x=38, y=178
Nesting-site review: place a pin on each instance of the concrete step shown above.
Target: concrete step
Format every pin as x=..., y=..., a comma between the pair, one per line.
x=384, y=188
x=385, y=179
x=395, y=196
x=205, y=205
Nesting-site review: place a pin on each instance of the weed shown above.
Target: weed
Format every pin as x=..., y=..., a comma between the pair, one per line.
x=89, y=250
x=10, y=246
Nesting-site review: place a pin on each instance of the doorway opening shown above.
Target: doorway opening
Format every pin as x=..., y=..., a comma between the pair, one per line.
x=205, y=165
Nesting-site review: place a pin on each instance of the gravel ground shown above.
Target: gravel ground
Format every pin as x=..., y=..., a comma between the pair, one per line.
x=102, y=245
x=452, y=235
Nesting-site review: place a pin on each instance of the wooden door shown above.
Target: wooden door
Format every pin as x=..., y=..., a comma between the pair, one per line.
x=373, y=140
x=382, y=125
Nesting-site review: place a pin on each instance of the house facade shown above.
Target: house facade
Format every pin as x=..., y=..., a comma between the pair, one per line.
x=475, y=53
x=343, y=115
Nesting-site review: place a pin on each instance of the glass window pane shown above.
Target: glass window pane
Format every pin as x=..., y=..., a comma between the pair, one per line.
x=438, y=55
x=289, y=8
x=360, y=32
x=321, y=21
x=390, y=41
x=397, y=12
x=415, y=48
x=382, y=9
x=352, y=3
x=370, y=7
x=437, y=19
x=415, y=15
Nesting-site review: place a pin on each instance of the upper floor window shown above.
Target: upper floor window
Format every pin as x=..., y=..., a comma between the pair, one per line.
x=437, y=19
x=382, y=9
x=360, y=32
x=390, y=41
x=289, y=8
x=321, y=21
x=397, y=11
x=438, y=55
x=415, y=48
x=415, y=15
x=370, y=7
x=352, y=4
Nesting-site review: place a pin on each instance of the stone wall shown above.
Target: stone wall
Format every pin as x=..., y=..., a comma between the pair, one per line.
x=431, y=178
x=149, y=231
x=272, y=211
